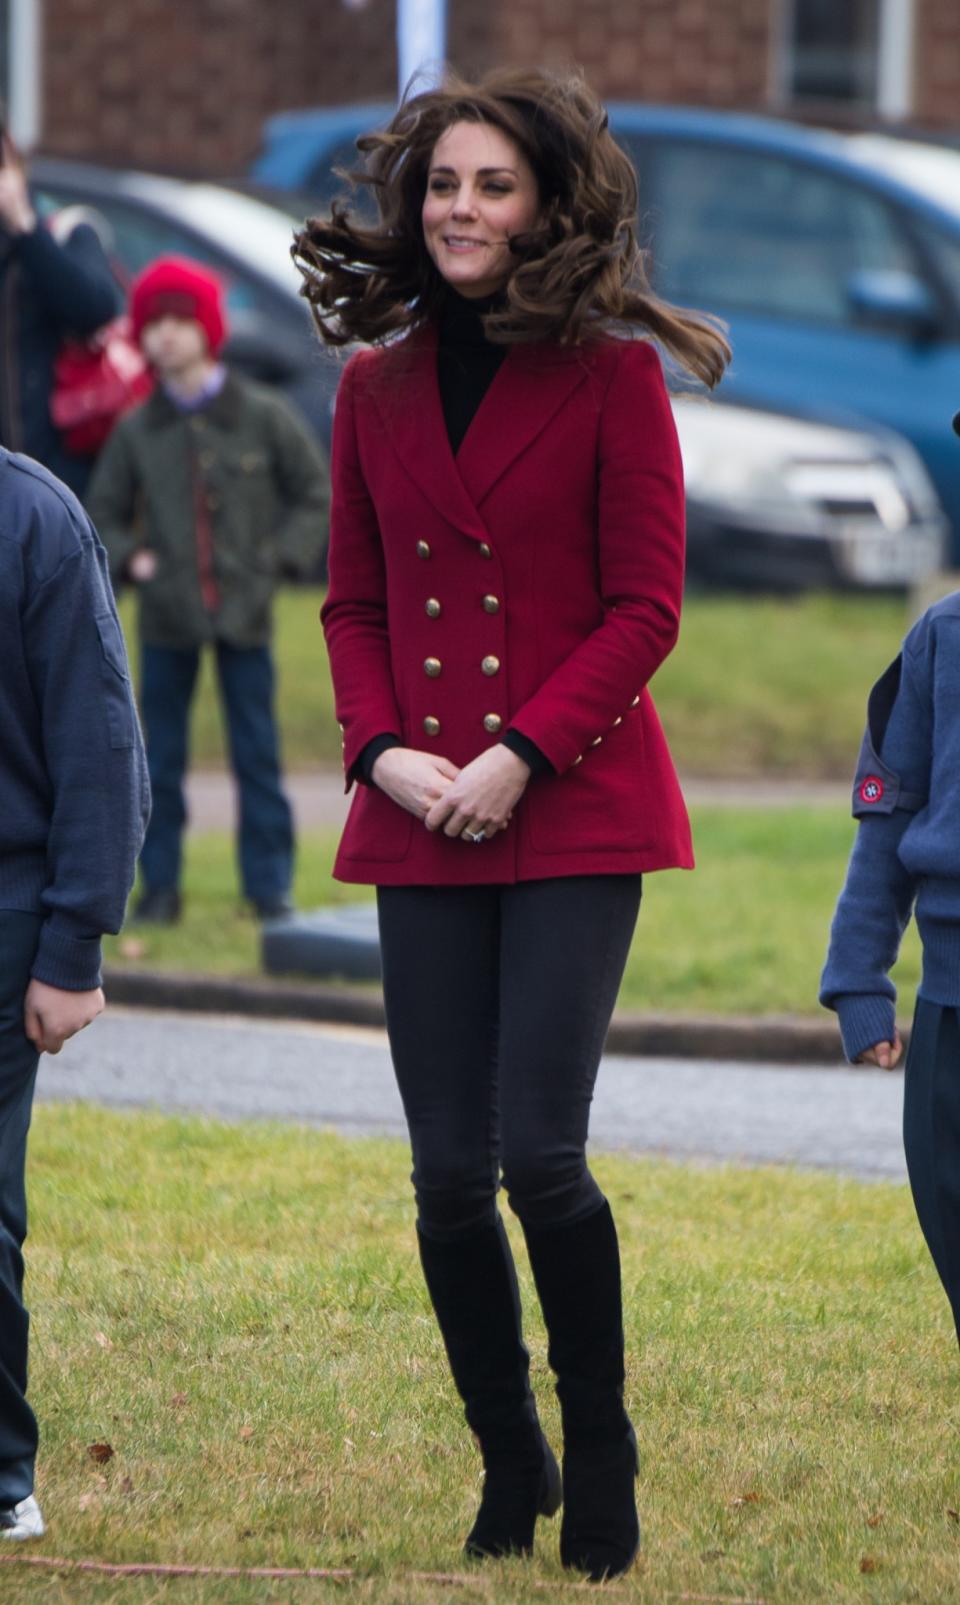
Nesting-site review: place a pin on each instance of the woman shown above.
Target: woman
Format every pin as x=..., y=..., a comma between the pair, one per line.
x=506, y=567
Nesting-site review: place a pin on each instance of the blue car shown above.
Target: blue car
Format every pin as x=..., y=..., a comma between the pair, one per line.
x=834, y=258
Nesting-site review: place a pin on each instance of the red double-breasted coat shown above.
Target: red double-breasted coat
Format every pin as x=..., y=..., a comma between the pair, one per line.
x=534, y=581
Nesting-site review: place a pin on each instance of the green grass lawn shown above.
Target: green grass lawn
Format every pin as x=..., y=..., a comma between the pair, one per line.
x=772, y=686
x=746, y=932
x=238, y=1312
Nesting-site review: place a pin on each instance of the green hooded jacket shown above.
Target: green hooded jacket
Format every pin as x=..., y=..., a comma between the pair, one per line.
x=245, y=469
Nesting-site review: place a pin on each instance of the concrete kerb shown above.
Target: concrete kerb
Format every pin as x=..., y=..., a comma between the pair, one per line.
x=769, y=1039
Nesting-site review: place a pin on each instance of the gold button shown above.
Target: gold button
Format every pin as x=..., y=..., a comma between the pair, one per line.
x=433, y=608
x=432, y=667
x=485, y=550
x=423, y=549
x=577, y=759
x=492, y=722
x=618, y=720
x=635, y=701
x=491, y=604
x=491, y=665
x=597, y=742
x=431, y=725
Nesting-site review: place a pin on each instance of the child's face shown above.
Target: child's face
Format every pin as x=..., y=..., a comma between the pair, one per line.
x=173, y=345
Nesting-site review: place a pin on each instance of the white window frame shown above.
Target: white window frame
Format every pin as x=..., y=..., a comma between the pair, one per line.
x=896, y=35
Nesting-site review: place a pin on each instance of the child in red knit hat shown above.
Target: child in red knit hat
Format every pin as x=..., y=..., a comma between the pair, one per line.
x=204, y=497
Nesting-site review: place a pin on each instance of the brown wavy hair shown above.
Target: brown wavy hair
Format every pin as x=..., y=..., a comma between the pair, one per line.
x=579, y=271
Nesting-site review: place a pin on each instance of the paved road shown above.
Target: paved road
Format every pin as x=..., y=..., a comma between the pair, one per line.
x=318, y=799
x=845, y=1120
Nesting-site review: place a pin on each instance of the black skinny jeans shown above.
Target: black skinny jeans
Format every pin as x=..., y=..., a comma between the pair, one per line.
x=498, y=1000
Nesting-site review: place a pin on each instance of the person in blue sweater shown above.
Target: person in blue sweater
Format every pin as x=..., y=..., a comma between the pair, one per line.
x=74, y=801
x=906, y=859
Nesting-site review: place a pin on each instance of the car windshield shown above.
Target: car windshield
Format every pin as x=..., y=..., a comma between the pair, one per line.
x=931, y=169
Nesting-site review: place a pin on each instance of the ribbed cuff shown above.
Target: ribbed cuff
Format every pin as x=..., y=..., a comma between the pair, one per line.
x=537, y=762
x=865, y=1019
x=71, y=963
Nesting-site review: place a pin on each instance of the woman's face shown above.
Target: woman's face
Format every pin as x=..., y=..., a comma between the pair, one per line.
x=481, y=190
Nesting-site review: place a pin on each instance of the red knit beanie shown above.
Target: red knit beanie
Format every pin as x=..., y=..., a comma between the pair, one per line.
x=184, y=290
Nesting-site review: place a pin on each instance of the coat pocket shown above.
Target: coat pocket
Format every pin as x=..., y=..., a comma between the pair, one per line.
x=115, y=679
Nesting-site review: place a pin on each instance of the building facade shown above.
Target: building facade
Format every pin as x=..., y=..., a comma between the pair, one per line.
x=184, y=85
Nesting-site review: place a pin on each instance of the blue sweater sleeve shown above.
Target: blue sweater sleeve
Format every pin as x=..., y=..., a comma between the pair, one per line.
x=94, y=758
x=875, y=904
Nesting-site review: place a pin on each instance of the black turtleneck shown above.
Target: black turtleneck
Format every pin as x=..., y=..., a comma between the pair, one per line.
x=466, y=364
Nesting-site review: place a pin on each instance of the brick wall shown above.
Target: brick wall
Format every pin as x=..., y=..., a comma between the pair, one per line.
x=937, y=63
x=715, y=52
x=185, y=84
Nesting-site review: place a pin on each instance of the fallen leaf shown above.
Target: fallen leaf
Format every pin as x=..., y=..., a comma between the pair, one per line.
x=868, y=1564
x=246, y=1432
x=100, y=1452
x=132, y=947
x=954, y=1515
x=178, y=1400
x=126, y=1485
x=751, y=1498
x=103, y=1340
x=875, y=1519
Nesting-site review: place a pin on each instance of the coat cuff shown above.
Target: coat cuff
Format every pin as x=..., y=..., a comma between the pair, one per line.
x=865, y=1019
x=71, y=963
x=363, y=766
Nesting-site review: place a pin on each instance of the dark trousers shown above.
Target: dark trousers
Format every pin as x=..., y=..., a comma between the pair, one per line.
x=931, y=1137
x=18, y=1070
x=498, y=1000
x=246, y=680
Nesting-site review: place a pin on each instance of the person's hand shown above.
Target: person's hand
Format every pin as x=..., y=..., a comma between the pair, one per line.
x=16, y=212
x=412, y=778
x=483, y=796
x=883, y=1054
x=142, y=565
x=51, y=1015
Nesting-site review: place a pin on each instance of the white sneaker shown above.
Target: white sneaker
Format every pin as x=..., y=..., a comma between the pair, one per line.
x=23, y=1520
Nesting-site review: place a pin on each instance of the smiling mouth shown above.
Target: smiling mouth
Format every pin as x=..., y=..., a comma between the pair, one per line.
x=458, y=242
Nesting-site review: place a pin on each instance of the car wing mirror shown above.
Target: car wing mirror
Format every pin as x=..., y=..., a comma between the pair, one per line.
x=889, y=299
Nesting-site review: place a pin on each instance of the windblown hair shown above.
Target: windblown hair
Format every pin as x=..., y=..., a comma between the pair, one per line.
x=580, y=271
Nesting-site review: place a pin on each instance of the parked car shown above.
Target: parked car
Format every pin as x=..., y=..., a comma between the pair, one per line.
x=772, y=500
x=833, y=257
x=247, y=241
x=781, y=503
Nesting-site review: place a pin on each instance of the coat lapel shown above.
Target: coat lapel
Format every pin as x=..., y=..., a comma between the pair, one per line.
x=529, y=387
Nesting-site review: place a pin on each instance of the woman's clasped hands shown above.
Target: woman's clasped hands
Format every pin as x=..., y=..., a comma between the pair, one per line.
x=473, y=802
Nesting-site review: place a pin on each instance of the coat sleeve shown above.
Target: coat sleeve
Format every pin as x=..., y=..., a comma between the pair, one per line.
x=303, y=481
x=640, y=550
x=95, y=760
x=354, y=615
x=113, y=499
x=875, y=904
x=73, y=280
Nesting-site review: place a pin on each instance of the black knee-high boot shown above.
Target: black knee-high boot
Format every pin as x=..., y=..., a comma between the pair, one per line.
x=577, y=1272
x=473, y=1287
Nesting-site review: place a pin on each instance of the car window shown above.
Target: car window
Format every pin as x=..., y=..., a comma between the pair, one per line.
x=945, y=250
x=137, y=238
x=734, y=228
x=323, y=185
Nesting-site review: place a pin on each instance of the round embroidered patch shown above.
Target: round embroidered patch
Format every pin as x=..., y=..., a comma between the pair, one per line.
x=871, y=789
